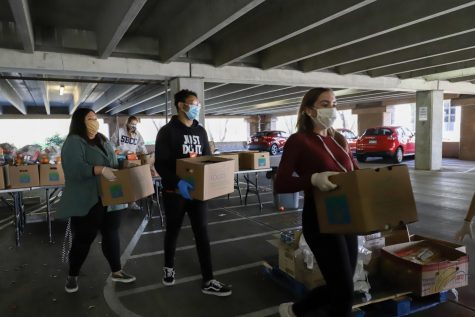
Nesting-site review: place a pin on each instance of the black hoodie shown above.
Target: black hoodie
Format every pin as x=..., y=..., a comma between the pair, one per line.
x=175, y=141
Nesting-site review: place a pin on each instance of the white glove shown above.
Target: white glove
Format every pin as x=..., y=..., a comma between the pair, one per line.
x=466, y=228
x=108, y=173
x=321, y=181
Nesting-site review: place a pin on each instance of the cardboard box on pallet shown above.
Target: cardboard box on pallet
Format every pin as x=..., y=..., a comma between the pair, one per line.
x=366, y=201
x=291, y=261
x=252, y=160
x=210, y=176
x=21, y=176
x=424, y=267
x=234, y=157
x=131, y=185
x=2, y=179
x=51, y=175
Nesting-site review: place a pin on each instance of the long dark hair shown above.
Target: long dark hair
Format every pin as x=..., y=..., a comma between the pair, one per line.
x=78, y=126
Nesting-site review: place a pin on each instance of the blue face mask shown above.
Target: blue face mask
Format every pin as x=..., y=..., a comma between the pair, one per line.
x=193, y=113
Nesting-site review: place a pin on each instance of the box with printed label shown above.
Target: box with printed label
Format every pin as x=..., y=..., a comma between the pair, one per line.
x=51, y=175
x=131, y=185
x=234, y=157
x=21, y=176
x=2, y=179
x=252, y=160
x=210, y=176
x=367, y=200
x=424, y=267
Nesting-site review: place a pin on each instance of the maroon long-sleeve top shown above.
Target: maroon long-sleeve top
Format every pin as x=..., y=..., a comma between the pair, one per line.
x=305, y=154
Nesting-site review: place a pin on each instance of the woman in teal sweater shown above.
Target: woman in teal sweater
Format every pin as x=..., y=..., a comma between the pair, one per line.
x=86, y=155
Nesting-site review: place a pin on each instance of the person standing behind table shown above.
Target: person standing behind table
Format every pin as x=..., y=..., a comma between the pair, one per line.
x=86, y=155
x=128, y=139
x=315, y=152
x=180, y=138
x=467, y=227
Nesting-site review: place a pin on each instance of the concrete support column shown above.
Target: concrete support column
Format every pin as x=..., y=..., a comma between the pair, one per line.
x=467, y=133
x=429, y=127
x=372, y=117
x=194, y=84
x=268, y=122
x=253, y=122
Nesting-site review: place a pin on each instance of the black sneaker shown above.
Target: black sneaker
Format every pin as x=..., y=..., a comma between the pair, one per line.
x=216, y=288
x=168, y=276
x=122, y=277
x=71, y=284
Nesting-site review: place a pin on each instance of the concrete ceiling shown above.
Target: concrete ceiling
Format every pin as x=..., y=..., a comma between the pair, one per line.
x=255, y=56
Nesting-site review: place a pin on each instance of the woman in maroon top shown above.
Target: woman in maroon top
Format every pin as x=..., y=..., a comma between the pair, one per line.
x=310, y=156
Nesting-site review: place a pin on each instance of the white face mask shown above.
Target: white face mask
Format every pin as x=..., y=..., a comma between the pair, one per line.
x=325, y=117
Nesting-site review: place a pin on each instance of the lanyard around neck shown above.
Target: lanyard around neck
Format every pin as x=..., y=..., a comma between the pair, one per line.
x=333, y=156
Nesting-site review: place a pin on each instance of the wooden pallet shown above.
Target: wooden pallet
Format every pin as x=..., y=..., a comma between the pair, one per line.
x=384, y=302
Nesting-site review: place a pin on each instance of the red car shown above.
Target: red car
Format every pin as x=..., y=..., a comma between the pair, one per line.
x=391, y=142
x=350, y=138
x=272, y=141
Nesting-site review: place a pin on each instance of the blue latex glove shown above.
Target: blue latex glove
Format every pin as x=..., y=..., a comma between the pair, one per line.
x=184, y=187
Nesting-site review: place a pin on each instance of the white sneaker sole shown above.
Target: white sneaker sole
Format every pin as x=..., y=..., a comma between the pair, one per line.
x=121, y=280
x=217, y=293
x=168, y=283
x=71, y=290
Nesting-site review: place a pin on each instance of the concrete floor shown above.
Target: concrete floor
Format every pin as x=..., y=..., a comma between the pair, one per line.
x=32, y=276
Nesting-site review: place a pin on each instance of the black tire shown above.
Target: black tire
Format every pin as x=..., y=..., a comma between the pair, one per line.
x=398, y=155
x=361, y=158
x=274, y=149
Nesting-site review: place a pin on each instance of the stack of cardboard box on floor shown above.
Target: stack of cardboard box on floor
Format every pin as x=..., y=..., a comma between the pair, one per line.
x=378, y=203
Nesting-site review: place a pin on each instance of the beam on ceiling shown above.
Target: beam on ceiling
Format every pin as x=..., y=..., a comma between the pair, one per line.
x=228, y=89
x=449, y=45
x=256, y=91
x=12, y=96
x=24, y=26
x=428, y=31
x=111, y=95
x=451, y=74
x=80, y=92
x=437, y=69
x=156, y=91
x=464, y=78
x=158, y=101
x=114, y=22
x=45, y=95
x=179, y=37
x=386, y=17
x=441, y=60
x=237, y=42
x=211, y=86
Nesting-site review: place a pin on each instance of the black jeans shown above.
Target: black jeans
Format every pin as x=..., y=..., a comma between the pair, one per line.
x=175, y=208
x=336, y=256
x=84, y=230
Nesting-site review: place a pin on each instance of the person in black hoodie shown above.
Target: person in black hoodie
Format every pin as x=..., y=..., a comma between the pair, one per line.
x=180, y=138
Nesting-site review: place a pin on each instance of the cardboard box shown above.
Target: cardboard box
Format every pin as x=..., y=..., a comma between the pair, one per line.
x=234, y=157
x=21, y=176
x=210, y=176
x=366, y=201
x=2, y=179
x=51, y=175
x=291, y=261
x=131, y=185
x=456, y=246
x=252, y=160
x=403, y=265
x=146, y=158
x=130, y=163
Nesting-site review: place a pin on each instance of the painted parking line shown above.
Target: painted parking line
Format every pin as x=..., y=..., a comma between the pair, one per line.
x=231, y=220
x=191, y=246
x=187, y=279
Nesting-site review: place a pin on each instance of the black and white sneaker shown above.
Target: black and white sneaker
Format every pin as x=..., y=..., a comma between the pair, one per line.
x=214, y=287
x=71, y=284
x=122, y=277
x=168, y=278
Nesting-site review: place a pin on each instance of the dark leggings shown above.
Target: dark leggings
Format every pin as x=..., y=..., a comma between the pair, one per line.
x=336, y=256
x=175, y=208
x=84, y=230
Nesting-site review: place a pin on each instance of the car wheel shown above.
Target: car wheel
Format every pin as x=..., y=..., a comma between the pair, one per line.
x=361, y=158
x=274, y=149
x=398, y=156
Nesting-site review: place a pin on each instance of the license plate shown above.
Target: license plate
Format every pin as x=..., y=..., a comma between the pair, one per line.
x=372, y=142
